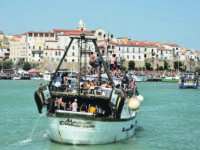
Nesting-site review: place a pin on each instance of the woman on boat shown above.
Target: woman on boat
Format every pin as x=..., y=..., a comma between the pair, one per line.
x=69, y=106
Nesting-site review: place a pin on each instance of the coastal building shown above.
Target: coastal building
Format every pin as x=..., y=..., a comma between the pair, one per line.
x=131, y=50
x=47, y=48
x=4, y=46
x=18, y=48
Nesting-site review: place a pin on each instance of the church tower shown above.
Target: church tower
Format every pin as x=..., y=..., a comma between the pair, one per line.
x=81, y=26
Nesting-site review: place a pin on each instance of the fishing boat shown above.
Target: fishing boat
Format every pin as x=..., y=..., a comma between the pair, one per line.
x=189, y=80
x=108, y=117
x=171, y=78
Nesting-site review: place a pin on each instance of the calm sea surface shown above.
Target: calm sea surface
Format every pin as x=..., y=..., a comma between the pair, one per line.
x=169, y=119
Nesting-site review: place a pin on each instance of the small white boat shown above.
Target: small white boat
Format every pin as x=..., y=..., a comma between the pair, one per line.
x=140, y=78
x=16, y=77
x=36, y=77
x=48, y=76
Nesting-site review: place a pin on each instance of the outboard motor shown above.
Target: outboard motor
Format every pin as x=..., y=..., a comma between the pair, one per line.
x=42, y=97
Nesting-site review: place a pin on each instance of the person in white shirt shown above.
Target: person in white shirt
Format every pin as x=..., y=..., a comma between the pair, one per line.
x=74, y=106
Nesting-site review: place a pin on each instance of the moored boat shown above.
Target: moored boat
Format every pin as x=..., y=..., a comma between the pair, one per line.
x=16, y=77
x=189, y=80
x=140, y=78
x=171, y=78
x=109, y=114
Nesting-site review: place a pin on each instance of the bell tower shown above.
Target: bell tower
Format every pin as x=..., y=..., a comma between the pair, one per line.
x=81, y=26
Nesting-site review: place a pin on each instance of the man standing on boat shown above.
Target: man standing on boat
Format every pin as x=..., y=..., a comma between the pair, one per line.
x=92, y=60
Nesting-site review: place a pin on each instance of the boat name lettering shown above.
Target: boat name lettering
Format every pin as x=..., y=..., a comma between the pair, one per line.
x=74, y=123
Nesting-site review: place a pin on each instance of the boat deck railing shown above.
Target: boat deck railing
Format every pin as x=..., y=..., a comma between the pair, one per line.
x=81, y=94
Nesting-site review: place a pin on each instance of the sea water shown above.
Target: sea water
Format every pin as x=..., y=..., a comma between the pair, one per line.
x=169, y=118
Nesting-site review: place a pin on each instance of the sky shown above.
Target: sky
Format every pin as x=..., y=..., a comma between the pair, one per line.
x=175, y=21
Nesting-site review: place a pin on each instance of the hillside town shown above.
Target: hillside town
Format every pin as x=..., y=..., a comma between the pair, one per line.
x=44, y=50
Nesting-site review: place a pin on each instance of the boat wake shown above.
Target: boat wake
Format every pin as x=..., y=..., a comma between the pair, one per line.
x=24, y=141
x=35, y=125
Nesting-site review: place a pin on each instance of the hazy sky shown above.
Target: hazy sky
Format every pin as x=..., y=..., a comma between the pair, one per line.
x=176, y=21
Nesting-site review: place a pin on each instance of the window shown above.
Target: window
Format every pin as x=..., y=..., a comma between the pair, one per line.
x=133, y=57
x=39, y=47
x=59, y=53
x=133, y=50
x=99, y=33
x=127, y=56
x=127, y=50
x=139, y=50
x=72, y=60
x=119, y=49
x=65, y=60
x=139, y=57
x=72, y=53
x=47, y=47
x=58, y=47
x=113, y=47
x=52, y=59
x=46, y=53
x=33, y=47
x=57, y=59
x=30, y=34
x=73, y=47
x=56, y=53
x=41, y=34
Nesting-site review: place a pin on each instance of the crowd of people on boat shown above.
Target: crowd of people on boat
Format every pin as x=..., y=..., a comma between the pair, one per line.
x=92, y=86
x=74, y=107
x=190, y=77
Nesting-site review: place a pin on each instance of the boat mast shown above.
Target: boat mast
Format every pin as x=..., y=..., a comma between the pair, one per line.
x=54, y=75
x=104, y=64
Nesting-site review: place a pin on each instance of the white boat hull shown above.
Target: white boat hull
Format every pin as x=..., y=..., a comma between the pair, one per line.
x=83, y=131
x=140, y=78
x=16, y=78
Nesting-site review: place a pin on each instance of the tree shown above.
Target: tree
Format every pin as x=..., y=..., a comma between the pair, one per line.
x=176, y=64
x=166, y=65
x=161, y=68
x=123, y=68
x=131, y=65
x=6, y=64
x=197, y=69
x=26, y=66
x=148, y=66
